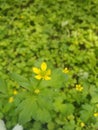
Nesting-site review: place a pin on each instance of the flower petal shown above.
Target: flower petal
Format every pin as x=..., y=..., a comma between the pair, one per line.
x=38, y=77
x=47, y=78
x=43, y=66
x=36, y=70
x=48, y=72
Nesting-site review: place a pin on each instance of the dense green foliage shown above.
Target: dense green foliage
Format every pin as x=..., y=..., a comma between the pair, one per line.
x=64, y=33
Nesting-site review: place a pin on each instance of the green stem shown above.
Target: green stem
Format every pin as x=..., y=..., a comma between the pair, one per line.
x=38, y=83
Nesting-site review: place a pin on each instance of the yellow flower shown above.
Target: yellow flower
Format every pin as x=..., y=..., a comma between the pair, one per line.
x=37, y=91
x=82, y=124
x=42, y=73
x=11, y=99
x=15, y=92
x=79, y=88
x=96, y=114
x=65, y=70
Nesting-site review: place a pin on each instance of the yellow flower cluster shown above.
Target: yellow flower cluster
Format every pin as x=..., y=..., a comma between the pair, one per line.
x=79, y=87
x=42, y=73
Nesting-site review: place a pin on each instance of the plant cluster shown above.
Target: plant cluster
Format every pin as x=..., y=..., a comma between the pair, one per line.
x=48, y=101
x=61, y=35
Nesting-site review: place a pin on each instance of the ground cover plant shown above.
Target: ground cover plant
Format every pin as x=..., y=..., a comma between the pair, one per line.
x=59, y=34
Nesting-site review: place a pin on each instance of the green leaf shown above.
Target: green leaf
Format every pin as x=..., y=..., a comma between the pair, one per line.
x=67, y=108
x=86, y=112
x=94, y=94
x=43, y=115
x=1, y=115
x=3, y=86
x=20, y=80
x=64, y=108
x=27, y=110
x=36, y=126
x=94, y=98
x=69, y=125
x=51, y=126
